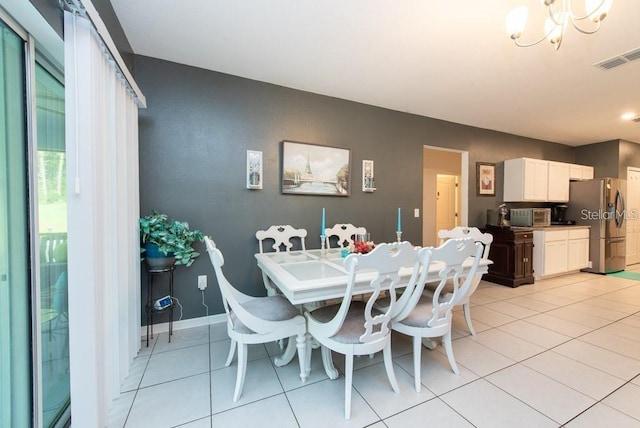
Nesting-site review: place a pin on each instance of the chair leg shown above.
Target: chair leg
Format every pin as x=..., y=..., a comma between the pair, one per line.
x=232, y=351
x=466, y=308
x=417, y=357
x=348, y=375
x=449, y=349
x=388, y=364
x=242, y=369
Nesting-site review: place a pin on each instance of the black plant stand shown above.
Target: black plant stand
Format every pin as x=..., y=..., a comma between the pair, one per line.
x=150, y=310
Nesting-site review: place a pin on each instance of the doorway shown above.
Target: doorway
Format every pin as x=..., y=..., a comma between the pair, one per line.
x=632, y=211
x=444, y=205
x=447, y=201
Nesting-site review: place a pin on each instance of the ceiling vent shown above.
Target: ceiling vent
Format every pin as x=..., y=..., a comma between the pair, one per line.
x=616, y=61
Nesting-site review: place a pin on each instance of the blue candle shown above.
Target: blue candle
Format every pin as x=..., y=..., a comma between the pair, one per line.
x=399, y=219
x=322, y=226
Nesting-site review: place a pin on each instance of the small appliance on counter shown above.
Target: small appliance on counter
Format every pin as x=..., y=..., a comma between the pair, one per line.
x=498, y=217
x=530, y=217
x=559, y=215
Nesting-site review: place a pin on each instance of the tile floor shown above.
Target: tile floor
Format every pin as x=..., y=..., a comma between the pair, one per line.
x=561, y=352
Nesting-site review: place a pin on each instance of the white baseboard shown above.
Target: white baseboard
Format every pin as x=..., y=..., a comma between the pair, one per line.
x=183, y=324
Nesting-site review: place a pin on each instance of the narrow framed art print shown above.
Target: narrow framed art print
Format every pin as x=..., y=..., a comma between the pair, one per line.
x=311, y=169
x=485, y=179
x=254, y=169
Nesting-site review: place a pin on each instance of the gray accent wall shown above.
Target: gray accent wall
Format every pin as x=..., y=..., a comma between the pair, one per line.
x=193, y=141
x=604, y=157
x=610, y=158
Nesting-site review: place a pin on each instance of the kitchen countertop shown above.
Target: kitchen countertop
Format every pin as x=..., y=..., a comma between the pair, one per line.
x=529, y=228
x=561, y=227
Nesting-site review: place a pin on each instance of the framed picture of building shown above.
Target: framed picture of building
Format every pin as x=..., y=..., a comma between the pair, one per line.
x=311, y=169
x=254, y=169
x=367, y=176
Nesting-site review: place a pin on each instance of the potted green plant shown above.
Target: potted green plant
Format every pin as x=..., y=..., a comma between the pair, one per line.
x=166, y=242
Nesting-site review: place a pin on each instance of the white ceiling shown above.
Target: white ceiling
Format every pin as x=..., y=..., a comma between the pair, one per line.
x=448, y=59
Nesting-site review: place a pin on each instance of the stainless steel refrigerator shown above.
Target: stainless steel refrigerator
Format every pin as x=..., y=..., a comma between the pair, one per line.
x=599, y=203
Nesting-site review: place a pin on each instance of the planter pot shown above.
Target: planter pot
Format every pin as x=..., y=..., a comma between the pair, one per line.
x=156, y=259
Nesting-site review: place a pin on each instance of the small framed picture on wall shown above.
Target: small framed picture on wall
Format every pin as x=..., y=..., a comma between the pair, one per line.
x=485, y=179
x=254, y=169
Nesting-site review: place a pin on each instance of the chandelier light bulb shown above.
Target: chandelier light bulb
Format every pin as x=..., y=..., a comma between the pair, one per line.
x=597, y=9
x=516, y=21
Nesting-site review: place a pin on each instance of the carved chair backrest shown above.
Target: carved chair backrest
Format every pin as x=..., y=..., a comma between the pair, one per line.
x=281, y=235
x=345, y=233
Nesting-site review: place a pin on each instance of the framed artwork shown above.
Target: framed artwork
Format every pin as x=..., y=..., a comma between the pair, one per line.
x=310, y=169
x=254, y=169
x=485, y=179
x=367, y=176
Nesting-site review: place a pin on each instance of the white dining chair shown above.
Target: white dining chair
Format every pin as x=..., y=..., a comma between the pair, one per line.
x=281, y=236
x=345, y=234
x=464, y=296
x=253, y=320
x=430, y=317
x=356, y=327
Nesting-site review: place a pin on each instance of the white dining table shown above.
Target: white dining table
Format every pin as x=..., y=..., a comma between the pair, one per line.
x=318, y=275
x=309, y=276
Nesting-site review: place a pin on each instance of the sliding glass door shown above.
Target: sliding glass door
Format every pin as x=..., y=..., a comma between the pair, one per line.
x=34, y=334
x=15, y=283
x=52, y=225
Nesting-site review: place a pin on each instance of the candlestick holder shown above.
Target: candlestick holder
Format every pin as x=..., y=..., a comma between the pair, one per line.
x=399, y=236
x=323, y=239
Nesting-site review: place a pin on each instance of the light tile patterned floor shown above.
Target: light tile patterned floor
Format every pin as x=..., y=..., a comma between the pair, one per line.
x=561, y=352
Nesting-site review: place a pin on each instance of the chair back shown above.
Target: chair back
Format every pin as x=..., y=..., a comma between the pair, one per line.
x=474, y=233
x=468, y=232
x=281, y=235
x=386, y=260
x=345, y=234
x=448, y=259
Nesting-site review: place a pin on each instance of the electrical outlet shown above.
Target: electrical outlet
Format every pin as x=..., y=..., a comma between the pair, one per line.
x=416, y=212
x=202, y=282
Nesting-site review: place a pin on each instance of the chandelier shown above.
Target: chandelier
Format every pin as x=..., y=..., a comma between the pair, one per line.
x=561, y=13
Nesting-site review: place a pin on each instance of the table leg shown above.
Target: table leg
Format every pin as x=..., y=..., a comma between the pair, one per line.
x=429, y=343
x=327, y=360
x=288, y=355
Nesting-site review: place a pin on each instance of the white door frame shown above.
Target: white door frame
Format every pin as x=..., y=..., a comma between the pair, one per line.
x=464, y=181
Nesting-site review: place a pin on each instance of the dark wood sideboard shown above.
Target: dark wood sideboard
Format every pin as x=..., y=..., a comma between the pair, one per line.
x=512, y=256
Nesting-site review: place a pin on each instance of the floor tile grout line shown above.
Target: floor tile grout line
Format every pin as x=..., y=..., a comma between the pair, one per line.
x=146, y=366
x=284, y=391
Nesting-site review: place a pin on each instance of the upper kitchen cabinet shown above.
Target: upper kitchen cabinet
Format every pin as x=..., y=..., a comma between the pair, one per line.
x=526, y=180
x=537, y=180
x=558, y=182
x=580, y=172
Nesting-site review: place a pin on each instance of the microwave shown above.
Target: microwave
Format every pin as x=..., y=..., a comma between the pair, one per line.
x=531, y=217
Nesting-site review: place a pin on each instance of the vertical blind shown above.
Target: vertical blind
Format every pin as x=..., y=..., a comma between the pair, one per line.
x=103, y=205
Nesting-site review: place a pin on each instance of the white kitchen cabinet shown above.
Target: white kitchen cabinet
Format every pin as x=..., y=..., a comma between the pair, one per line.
x=525, y=179
x=560, y=250
x=580, y=172
x=578, y=249
x=558, y=182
